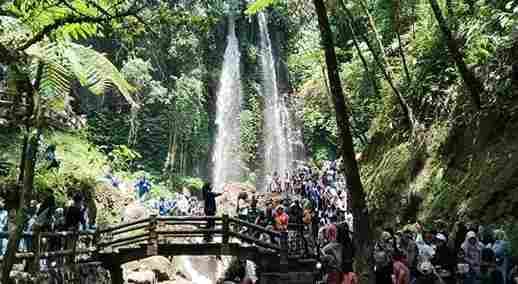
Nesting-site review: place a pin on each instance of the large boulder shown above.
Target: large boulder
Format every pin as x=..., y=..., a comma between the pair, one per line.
x=133, y=212
x=110, y=203
x=141, y=277
x=160, y=265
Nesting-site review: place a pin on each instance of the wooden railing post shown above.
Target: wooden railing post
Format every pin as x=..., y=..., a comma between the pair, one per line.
x=225, y=248
x=36, y=250
x=75, y=238
x=284, y=252
x=152, y=247
x=226, y=229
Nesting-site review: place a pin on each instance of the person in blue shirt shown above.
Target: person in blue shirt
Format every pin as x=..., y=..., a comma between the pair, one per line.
x=142, y=186
x=163, y=208
x=50, y=155
x=314, y=195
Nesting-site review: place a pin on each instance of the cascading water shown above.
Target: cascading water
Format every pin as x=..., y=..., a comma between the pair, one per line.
x=279, y=134
x=226, y=158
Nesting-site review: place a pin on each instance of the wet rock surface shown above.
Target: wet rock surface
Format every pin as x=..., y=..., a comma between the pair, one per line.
x=161, y=267
x=87, y=273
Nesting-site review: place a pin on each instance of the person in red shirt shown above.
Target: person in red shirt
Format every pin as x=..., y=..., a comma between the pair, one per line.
x=281, y=219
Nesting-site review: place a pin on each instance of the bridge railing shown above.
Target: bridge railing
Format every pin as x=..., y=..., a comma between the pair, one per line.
x=63, y=246
x=149, y=232
x=153, y=230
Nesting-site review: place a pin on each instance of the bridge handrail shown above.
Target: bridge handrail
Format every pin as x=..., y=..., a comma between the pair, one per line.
x=188, y=218
x=190, y=232
x=127, y=239
x=123, y=225
x=252, y=240
x=255, y=227
x=131, y=229
x=52, y=234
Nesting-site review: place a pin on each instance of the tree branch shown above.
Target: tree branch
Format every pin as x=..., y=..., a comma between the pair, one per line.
x=72, y=19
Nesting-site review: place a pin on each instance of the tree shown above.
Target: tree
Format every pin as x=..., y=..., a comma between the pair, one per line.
x=346, y=148
x=471, y=82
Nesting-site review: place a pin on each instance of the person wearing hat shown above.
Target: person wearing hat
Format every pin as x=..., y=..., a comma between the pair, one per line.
x=444, y=258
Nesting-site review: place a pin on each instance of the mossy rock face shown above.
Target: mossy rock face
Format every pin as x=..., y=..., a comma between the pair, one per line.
x=464, y=171
x=386, y=173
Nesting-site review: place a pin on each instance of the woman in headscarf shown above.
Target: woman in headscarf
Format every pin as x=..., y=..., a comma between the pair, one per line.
x=333, y=255
x=472, y=254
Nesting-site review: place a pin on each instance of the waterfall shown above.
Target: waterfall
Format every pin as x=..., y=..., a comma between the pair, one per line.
x=226, y=157
x=279, y=134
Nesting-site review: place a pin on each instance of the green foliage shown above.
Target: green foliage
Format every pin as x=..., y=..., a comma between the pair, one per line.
x=121, y=157
x=81, y=164
x=138, y=72
x=259, y=5
x=248, y=135
x=38, y=14
x=511, y=230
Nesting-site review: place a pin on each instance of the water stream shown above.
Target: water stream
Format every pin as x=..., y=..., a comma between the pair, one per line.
x=226, y=158
x=279, y=134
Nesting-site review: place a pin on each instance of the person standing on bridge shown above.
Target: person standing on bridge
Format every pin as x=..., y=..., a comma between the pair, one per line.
x=210, y=207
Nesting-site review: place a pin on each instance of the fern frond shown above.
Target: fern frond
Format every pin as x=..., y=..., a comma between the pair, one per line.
x=97, y=72
x=66, y=61
x=56, y=77
x=55, y=81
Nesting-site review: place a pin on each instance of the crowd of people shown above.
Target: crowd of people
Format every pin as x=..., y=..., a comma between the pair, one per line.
x=324, y=191
x=469, y=254
x=317, y=200
x=302, y=205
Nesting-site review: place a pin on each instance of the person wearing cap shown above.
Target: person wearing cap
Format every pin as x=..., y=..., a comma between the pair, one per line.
x=472, y=254
x=444, y=258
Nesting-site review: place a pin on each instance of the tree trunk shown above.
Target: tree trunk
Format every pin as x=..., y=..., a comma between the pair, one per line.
x=514, y=73
x=372, y=25
x=385, y=68
x=371, y=74
x=346, y=148
x=471, y=82
x=27, y=176
x=24, y=201
x=397, y=22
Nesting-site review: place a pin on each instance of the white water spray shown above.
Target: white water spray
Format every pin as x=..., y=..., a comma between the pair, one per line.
x=226, y=158
x=279, y=134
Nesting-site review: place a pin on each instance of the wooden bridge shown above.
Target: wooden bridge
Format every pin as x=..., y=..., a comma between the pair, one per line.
x=172, y=236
